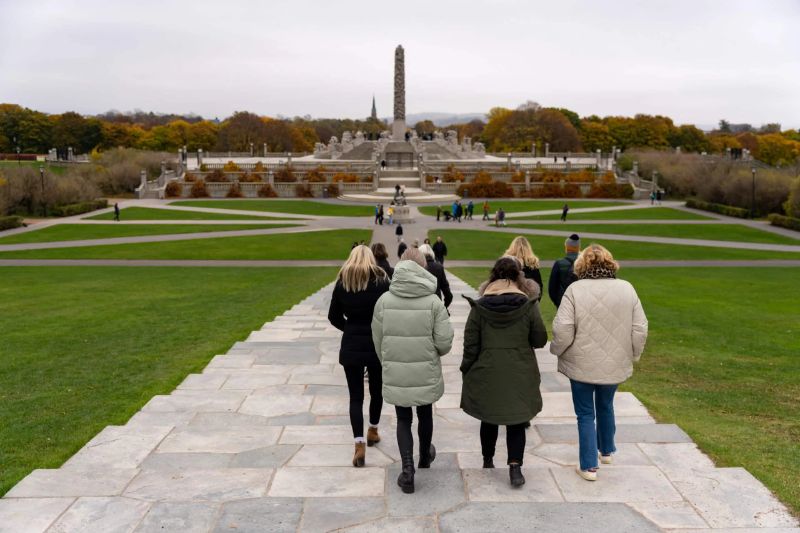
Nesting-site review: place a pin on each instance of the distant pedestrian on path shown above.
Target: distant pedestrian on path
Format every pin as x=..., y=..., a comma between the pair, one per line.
x=380, y=215
x=563, y=275
x=486, y=210
x=438, y=213
x=500, y=218
x=377, y=212
x=470, y=209
x=499, y=369
x=401, y=248
x=439, y=249
x=382, y=258
x=411, y=331
x=459, y=211
x=521, y=249
x=652, y=197
x=391, y=213
x=116, y=212
x=596, y=347
x=658, y=197
x=358, y=286
x=564, y=211
x=399, y=232
x=442, y=285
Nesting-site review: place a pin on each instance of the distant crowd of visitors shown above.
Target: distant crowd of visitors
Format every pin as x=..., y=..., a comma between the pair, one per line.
x=396, y=327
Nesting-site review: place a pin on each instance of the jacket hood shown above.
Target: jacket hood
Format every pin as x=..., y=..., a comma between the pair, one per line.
x=412, y=281
x=527, y=286
x=501, y=310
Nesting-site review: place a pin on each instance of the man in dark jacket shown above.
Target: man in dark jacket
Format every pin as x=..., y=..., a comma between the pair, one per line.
x=563, y=274
x=401, y=248
x=442, y=285
x=439, y=250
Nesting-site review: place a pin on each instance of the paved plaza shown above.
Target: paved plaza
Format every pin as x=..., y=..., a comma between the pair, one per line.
x=260, y=441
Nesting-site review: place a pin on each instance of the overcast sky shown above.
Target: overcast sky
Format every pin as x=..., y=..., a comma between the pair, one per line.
x=694, y=60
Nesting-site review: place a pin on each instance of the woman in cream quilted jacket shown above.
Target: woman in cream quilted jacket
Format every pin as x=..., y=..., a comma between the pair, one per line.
x=599, y=331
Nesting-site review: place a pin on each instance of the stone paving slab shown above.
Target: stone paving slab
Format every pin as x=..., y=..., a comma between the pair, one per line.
x=260, y=441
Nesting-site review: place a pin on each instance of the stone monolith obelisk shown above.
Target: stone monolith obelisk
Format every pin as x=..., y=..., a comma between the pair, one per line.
x=399, y=124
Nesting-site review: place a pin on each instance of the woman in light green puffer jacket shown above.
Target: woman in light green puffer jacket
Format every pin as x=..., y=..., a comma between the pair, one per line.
x=411, y=331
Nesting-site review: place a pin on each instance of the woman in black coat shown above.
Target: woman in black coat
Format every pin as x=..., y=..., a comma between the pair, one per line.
x=359, y=285
x=382, y=258
x=442, y=285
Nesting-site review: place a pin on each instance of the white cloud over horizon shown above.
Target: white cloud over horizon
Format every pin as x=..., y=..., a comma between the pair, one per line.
x=695, y=61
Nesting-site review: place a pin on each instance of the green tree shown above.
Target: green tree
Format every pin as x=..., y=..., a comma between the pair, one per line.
x=689, y=138
x=595, y=135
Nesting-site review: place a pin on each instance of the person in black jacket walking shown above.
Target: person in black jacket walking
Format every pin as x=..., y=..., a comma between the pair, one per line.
x=401, y=248
x=563, y=273
x=521, y=249
x=358, y=286
x=382, y=258
x=442, y=285
x=439, y=250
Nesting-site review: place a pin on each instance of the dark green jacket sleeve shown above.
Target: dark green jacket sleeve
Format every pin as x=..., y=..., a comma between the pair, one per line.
x=472, y=341
x=538, y=334
x=554, y=285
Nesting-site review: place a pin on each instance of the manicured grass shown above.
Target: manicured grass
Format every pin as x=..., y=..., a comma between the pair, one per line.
x=83, y=348
x=334, y=244
x=48, y=168
x=302, y=207
x=722, y=365
x=714, y=232
x=487, y=245
x=149, y=213
x=649, y=213
x=72, y=232
x=511, y=206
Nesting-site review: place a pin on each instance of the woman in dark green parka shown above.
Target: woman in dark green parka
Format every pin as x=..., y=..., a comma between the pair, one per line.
x=500, y=373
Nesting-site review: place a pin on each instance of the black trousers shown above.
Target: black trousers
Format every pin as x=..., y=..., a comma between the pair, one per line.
x=355, y=386
x=515, y=441
x=405, y=440
x=440, y=259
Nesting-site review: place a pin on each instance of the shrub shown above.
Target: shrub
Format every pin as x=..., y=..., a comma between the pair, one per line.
x=216, y=176
x=203, y=167
x=230, y=166
x=346, y=177
x=792, y=206
x=333, y=190
x=199, y=189
x=482, y=178
x=548, y=190
x=780, y=220
x=316, y=175
x=10, y=222
x=571, y=190
x=259, y=167
x=625, y=163
x=266, y=191
x=482, y=189
x=610, y=190
x=718, y=208
x=119, y=169
x=250, y=178
x=71, y=210
x=173, y=190
x=235, y=191
x=518, y=177
x=188, y=177
x=303, y=190
x=452, y=174
x=285, y=175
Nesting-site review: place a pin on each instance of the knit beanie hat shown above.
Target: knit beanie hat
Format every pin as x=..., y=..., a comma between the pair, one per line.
x=573, y=243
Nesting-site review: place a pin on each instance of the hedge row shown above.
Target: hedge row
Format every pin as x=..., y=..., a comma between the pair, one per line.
x=70, y=210
x=727, y=210
x=10, y=222
x=785, y=222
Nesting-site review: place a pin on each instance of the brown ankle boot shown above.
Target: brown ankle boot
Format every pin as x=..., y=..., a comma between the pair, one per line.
x=360, y=454
x=372, y=436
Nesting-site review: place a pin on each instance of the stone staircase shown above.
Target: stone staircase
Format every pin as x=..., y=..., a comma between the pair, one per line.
x=403, y=177
x=260, y=441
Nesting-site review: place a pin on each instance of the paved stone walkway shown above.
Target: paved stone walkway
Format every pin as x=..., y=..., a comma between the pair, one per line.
x=260, y=441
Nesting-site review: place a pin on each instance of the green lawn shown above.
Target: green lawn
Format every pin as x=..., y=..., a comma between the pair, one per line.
x=650, y=213
x=715, y=232
x=48, y=168
x=722, y=365
x=301, y=207
x=488, y=245
x=149, y=213
x=72, y=232
x=512, y=206
x=83, y=348
x=334, y=244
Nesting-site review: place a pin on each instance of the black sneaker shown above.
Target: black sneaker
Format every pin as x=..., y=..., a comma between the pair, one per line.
x=488, y=462
x=515, y=474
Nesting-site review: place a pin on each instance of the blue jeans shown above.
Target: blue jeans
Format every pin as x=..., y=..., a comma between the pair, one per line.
x=589, y=399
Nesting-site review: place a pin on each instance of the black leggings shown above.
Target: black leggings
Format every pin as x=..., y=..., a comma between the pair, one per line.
x=515, y=441
x=355, y=385
x=405, y=440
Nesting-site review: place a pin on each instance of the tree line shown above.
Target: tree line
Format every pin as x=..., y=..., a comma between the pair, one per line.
x=515, y=130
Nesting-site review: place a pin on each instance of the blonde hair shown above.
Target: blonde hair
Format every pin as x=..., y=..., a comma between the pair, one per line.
x=594, y=255
x=359, y=268
x=413, y=254
x=426, y=250
x=521, y=249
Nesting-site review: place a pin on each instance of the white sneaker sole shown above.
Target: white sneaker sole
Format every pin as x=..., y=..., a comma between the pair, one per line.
x=588, y=476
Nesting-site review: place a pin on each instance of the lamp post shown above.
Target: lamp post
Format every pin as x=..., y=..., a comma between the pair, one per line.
x=18, y=161
x=753, y=194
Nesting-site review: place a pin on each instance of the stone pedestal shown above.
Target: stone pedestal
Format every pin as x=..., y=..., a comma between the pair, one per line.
x=399, y=130
x=402, y=214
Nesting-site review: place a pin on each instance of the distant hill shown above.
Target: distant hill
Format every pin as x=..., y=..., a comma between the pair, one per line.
x=440, y=119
